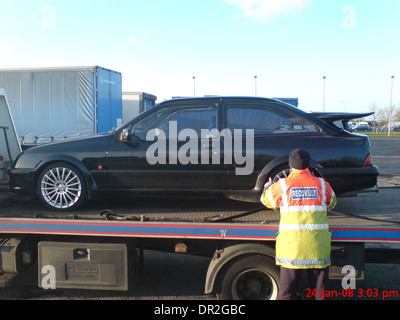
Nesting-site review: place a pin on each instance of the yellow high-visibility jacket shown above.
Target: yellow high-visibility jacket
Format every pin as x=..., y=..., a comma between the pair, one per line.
x=304, y=238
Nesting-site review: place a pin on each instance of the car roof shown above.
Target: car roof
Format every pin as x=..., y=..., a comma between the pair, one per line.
x=226, y=98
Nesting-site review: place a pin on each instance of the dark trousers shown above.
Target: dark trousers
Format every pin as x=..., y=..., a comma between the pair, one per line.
x=290, y=279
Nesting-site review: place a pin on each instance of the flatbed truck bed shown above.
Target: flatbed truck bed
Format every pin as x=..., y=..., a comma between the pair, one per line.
x=196, y=218
x=238, y=237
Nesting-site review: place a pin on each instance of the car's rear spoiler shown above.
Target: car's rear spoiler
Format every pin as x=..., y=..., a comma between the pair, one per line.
x=343, y=117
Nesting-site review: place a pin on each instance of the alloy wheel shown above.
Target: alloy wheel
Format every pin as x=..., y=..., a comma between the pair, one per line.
x=61, y=187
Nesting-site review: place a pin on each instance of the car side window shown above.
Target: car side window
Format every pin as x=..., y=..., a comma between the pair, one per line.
x=266, y=121
x=140, y=128
x=197, y=118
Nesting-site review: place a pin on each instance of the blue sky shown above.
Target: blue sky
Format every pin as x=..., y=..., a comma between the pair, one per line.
x=159, y=45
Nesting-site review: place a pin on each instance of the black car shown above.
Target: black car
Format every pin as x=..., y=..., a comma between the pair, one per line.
x=224, y=145
x=395, y=128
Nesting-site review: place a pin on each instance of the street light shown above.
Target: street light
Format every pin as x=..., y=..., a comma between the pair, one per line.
x=323, y=104
x=390, y=106
x=194, y=86
x=255, y=86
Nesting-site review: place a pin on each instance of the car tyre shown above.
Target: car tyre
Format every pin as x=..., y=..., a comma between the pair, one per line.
x=284, y=171
x=280, y=173
x=62, y=187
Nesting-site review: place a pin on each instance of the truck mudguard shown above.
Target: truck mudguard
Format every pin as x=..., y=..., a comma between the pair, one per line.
x=223, y=256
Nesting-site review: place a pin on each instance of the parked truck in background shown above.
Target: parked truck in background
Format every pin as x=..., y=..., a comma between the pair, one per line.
x=50, y=104
x=134, y=103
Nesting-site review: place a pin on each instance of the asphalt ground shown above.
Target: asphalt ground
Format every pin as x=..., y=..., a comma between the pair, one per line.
x=169, y=276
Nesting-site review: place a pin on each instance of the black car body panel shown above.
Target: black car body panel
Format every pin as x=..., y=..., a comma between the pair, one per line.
x=112, y=162
x=84, y=153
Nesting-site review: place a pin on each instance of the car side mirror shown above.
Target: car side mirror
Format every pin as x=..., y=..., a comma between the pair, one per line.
x=126, y=135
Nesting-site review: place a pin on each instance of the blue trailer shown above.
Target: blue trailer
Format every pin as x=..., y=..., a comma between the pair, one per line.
x=51, y=104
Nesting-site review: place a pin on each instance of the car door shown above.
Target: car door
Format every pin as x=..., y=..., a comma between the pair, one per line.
x=167, y=151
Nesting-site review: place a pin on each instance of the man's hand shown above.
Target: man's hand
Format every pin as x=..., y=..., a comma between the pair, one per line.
x=268, y=184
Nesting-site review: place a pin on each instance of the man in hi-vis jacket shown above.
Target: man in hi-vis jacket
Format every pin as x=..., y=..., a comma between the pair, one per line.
x=304, y=238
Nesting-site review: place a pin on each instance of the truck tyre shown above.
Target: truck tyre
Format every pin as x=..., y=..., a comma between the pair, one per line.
x=250, y=277
x=62, y=187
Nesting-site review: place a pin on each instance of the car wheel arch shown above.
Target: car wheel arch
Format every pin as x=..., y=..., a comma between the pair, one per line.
x=90, y=183
x=270, y=167
x=279, y=164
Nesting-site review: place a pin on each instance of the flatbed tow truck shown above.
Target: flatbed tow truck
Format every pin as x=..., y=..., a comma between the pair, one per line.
x=103, y=249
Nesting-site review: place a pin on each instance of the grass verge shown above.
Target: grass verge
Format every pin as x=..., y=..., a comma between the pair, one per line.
x=393, y=135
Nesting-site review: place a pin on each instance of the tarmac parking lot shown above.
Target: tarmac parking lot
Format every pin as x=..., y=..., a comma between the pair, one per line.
x=169, y=276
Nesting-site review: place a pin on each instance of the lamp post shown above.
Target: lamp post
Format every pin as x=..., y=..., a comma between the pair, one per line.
x=390, y=107
x=255, y=85
x=323, y=103
x=194, y=86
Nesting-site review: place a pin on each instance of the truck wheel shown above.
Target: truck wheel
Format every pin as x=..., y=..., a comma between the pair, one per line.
x=62, y=187
x=254, y=277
